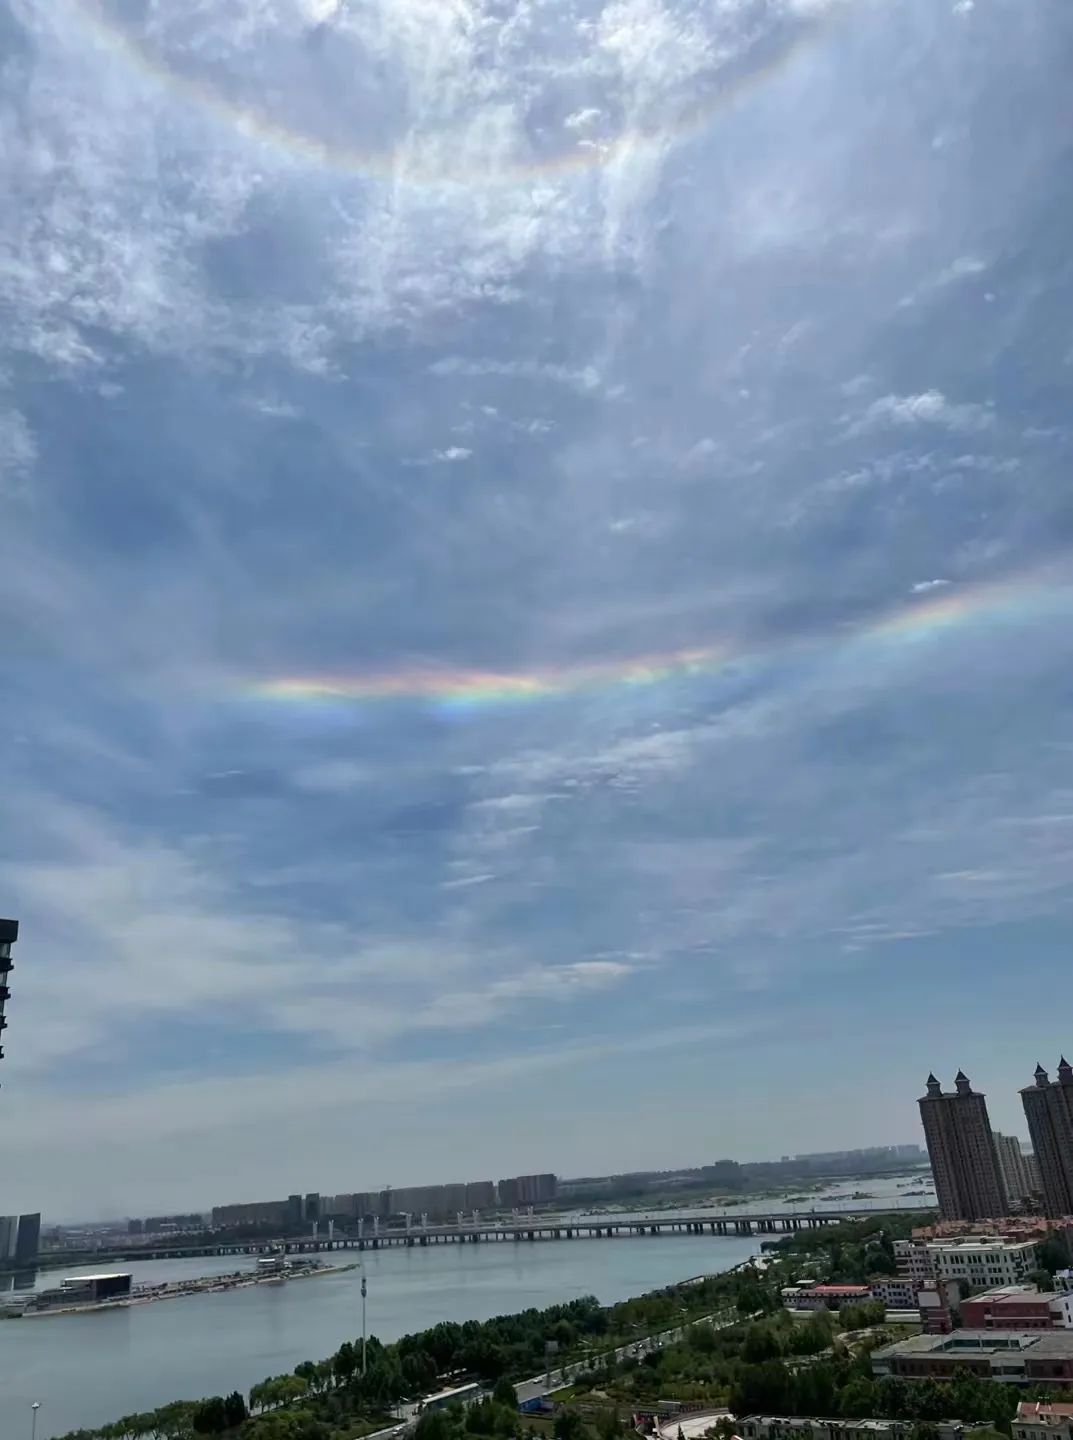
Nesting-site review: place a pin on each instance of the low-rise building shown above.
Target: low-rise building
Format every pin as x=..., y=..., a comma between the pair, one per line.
x=913, y=1260
x=798, y=1427
x=1018, y=1307
x=982, y=1260
x=823, y=1297
x=1036, y=1420
x=895, y=1292
x=1014, y=1357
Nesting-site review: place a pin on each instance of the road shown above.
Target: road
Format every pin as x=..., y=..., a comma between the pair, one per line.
x=541, y=1385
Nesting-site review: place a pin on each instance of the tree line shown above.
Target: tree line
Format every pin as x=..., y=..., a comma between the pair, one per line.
x=325, y=1399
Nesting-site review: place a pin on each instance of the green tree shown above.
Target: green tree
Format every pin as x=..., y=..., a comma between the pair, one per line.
x=434, y=1425
x=1042, y=1279
x=1054, y=1254
x=235, y=1410
x=505, y=1393
x=210, y=1417
x=568, y=1425
x=857, y=1399
x=761, y=1343
x=924, y=1430
x=752, y=1299
x=608, y=1426
x=702, y=1339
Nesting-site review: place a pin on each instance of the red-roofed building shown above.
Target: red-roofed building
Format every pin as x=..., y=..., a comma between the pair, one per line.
x=1037, y=1420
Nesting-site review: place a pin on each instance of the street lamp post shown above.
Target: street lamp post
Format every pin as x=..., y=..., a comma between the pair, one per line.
x=33, y=1423
x=363, y=1292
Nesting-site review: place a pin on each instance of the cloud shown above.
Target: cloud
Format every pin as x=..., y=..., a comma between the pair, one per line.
x=636, y=270
x=586, y=379
x=930, y=407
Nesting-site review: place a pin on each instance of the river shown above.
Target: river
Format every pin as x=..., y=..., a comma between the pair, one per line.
x=88, y=1369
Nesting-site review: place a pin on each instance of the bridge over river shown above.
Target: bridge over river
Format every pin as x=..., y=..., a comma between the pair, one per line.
x=513, y=1231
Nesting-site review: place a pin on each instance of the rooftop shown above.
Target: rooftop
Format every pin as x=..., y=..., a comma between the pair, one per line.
x=107, y=1275
x=1044, y=1344
x=966, y=1243
x=1042, y=1410
x=806, y=1422
x=1016, y=1295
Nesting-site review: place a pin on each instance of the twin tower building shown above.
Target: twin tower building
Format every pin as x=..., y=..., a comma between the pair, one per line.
x=978, y=1173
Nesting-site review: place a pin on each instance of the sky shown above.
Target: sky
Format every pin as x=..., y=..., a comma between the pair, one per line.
x=536, y=579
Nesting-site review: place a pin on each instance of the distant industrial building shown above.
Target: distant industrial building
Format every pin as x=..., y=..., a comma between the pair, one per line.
x=258, y=1212
x=961, y=1147
x=439, y=1204
x=910, y=1154
x=527, y=1190
x=1048, y=1109
x=481, y=1195
x=9, y=933
x=170, y=1224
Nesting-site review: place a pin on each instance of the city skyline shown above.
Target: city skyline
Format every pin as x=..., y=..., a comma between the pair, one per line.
x=536, y=582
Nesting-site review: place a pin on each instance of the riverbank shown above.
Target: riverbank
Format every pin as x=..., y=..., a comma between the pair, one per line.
x=136, y=1360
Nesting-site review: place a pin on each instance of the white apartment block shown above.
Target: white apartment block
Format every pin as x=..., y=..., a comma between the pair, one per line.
x=897, y=1292
x=982, y=1260
x=914, y=1262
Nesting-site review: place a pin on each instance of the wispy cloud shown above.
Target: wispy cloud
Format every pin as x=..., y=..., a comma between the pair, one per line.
x=568, y=337
x=930, y=407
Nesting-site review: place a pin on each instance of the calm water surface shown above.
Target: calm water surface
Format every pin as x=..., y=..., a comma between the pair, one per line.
x=88, y=1369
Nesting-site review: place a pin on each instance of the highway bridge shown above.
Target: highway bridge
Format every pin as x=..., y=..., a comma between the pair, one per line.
x=515, y=1230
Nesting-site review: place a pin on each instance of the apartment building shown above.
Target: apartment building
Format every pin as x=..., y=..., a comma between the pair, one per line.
x=1048, y=1107
x=1013, y=1166
x=983, y=1261
x=961, y=1147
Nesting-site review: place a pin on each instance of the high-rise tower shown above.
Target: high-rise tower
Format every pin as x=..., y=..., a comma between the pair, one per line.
x=1049, y=1112
x=1014, y=1170
x=964, y=1161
